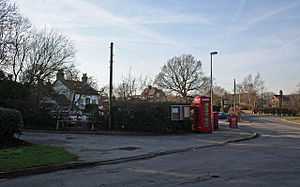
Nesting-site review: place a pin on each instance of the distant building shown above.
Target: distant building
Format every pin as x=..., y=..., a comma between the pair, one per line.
x=275, y=101
x=179, y=99
x=78, y=93
x=241, y=99
x=153, y=94
x=288, y=101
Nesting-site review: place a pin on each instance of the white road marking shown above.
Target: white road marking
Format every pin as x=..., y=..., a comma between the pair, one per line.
x=173, y=174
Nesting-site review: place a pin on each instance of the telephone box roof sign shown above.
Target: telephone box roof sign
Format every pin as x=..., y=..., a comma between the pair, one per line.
x=199, y=99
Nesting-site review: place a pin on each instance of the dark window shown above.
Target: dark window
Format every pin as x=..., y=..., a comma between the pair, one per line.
x=87, y=101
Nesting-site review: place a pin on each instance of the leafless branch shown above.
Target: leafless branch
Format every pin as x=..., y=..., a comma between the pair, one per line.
x=182, y=75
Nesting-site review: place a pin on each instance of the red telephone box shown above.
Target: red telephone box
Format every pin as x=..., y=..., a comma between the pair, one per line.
x=201, y=114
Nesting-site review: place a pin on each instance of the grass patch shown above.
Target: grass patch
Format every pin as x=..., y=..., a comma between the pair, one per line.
x=293, y=119
x=32, y=156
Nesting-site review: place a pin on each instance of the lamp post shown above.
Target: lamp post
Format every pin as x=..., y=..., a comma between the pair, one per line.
x=234, y=95
x=211, y=82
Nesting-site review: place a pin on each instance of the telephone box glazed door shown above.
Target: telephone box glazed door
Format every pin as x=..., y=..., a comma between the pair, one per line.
x=202, y=114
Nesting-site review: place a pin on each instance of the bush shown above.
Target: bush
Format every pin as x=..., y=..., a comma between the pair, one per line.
x=91, y=108
x=39, y=120
x=13, y=90
x=280, y=111
x=146, y=116
x=10, y=123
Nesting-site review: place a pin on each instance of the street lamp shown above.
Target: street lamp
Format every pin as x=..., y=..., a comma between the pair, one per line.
x=211, y=82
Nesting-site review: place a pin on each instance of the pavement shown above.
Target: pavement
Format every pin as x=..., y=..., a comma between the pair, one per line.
x=270, y=160
x=95, y=148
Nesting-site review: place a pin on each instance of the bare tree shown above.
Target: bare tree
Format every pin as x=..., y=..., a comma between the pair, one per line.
x=72, y=73
x=219, y=91
x=8, y=9
x=20, y=45
x=8, y=12
x=182, y=75
x=49, y=52
x=92, y=82
x=144, y=82
x=128, y=87
x=104, y=91
x=253, y=87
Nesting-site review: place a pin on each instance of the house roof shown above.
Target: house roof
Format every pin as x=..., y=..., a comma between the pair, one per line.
x=288, y=97
x=284, y=97
x=80, y=87
x=152, y=91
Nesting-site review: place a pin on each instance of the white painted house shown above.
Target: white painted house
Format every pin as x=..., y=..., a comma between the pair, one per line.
x=78, y=93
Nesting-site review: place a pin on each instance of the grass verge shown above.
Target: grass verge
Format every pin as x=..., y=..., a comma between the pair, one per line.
x=293, y=119
x=18, y=158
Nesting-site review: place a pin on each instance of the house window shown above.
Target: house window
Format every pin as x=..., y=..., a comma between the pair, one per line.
x=87, y=101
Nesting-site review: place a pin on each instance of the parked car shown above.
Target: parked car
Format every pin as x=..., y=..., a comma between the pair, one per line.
x=222, y=115
x=73, y=119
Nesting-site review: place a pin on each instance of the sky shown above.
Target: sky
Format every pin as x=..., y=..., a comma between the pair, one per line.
x=251, y=36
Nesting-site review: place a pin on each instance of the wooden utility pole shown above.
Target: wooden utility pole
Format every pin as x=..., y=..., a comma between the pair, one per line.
x=110, y=85
x=280, y=101
x=234, y=96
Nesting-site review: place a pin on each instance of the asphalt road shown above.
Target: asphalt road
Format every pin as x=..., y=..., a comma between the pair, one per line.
x=273, y=159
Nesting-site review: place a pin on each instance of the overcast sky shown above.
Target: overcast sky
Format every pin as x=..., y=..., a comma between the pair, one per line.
x=251, y=35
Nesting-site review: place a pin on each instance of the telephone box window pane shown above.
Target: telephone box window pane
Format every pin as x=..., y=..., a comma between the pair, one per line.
x=206, y=115
x=187, y=112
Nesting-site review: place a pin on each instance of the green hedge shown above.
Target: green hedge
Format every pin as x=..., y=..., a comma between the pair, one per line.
x=146, y=116
x=10, y=123
x=39, y=120
x=279, y=111
x=13, y=90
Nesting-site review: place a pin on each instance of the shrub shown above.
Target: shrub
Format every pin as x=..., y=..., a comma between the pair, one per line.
x=280, y=111
x=146, y=116
x=91, y=108
x=13, y=90
x=39, y=120
x=10, y=123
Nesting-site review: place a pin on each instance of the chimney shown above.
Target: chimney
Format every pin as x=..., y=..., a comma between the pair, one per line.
x=60, y=75
x=84, y=78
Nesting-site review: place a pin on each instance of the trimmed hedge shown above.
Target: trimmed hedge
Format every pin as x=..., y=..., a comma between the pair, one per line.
x=13, y=90
x=279, y=111
x=146, y=116
x=39, y=120
x=10, y=123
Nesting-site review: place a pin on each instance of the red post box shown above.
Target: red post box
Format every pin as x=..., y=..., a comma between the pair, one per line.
x=233, y=121
x=201, y=114
x=216, y=120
